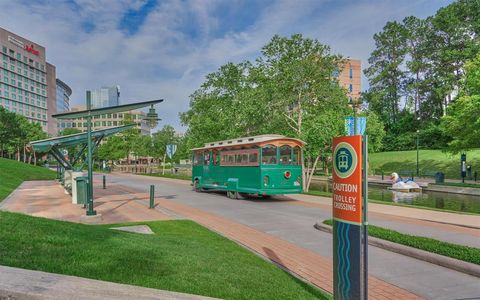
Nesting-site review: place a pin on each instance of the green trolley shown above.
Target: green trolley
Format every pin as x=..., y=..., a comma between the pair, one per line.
x=261, y=165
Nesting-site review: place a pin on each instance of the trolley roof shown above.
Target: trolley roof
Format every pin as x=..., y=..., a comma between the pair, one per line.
x=248, y=140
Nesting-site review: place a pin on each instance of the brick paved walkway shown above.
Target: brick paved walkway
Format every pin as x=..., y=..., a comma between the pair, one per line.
x=47, y=199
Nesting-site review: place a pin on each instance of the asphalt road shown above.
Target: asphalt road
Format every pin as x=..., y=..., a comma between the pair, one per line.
x=294, y=223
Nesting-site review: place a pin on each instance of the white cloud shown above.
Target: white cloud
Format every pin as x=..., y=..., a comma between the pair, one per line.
x=162, y=60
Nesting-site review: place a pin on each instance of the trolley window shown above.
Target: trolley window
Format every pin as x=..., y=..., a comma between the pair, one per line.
x=198, y=158
x=297, y=156
x=285, y=155
x=269, y=155
x=206, y=160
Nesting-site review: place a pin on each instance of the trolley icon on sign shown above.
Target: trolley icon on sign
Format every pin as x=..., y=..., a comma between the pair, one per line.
x=342, y=160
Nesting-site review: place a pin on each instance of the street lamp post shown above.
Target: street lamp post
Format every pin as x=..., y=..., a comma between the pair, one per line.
x=354, y=104
x=90, y=210
x=417, y=154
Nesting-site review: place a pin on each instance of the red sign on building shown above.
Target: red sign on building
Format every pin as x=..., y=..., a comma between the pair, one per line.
x=31, y=49
x=347, y=179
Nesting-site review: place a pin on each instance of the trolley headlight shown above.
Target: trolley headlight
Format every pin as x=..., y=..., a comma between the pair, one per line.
x=287, y=174
x=266, y=180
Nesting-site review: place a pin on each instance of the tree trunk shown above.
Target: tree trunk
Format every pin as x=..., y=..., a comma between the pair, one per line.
x=163, y=162
x=24, y=154
x=311, y=172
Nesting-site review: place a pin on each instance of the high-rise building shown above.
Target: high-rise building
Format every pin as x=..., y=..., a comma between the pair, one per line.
x=350, y=77
x=106, y=96
x=27, y=80
x=63, y=93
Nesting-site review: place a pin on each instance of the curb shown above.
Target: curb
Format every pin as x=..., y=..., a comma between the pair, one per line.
x=437, y=259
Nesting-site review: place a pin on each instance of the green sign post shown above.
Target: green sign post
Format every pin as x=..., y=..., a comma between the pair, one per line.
x=88, y=113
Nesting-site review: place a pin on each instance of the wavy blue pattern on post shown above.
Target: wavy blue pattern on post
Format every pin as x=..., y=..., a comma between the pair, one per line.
x=339, y=259
x=347, y=290
x=343, y=256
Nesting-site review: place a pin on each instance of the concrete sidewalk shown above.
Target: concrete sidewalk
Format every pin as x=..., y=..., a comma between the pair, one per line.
x=18, y=283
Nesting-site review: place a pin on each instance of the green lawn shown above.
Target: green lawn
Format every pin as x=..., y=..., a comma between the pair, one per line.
x=181, y=256
x=429, y=161
x=459, y=184
x=465, y=253
x=13, y=173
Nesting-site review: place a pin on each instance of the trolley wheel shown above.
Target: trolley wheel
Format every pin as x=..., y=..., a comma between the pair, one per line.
x=196, y=186
x=242, y=196
x=232, y=195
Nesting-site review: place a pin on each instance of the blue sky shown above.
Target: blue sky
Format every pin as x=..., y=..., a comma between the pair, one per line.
x=163, y=49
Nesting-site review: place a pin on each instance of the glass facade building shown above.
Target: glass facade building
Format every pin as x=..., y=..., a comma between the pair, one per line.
x=62, y=103
x=106, y=96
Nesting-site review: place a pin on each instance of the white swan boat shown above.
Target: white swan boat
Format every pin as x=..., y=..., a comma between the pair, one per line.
x=407, y=186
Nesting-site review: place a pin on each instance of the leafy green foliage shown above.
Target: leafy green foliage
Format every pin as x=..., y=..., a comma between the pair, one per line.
x=463, y=120
x=415, y=71
x=290, y=89
x=465, y=253
x=181, y=256
x=16, y=132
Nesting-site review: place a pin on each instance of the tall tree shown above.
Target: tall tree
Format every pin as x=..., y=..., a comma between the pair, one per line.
x=299, y=87
x=462, y=123
x=385, y=71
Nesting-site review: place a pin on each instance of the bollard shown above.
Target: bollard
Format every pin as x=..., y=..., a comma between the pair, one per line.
x=152, y=195
x=382, y=175
x=104, y=182
x=475, y=176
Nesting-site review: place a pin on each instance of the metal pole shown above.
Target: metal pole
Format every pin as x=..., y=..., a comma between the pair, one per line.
x=104, y=182
x=354, y=119
x=365, y=216
x=417, y=156
x=152, y=195
x=90, y=210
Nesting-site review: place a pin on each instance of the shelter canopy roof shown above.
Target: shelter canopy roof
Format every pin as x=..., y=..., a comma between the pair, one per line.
x=105, y=110
x=75, y=139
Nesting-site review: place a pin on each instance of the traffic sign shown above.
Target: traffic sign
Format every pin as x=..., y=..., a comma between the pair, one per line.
x=347, y=179
x=349, y=218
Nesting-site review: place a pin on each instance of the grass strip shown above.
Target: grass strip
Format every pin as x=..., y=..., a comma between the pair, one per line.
x=459, y=184
x=180, y=256
x=465, y=253
x=13, y=173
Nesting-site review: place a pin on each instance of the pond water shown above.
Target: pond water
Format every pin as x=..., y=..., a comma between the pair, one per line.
x=447, y=201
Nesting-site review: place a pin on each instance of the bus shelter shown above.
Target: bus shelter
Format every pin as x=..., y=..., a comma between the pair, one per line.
x=72, y=175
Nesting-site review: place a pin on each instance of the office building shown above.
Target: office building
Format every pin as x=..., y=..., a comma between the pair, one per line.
x=27, y=80
x=111, y=120
x=63, y=93
x=106, y=96
x=350, y=78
